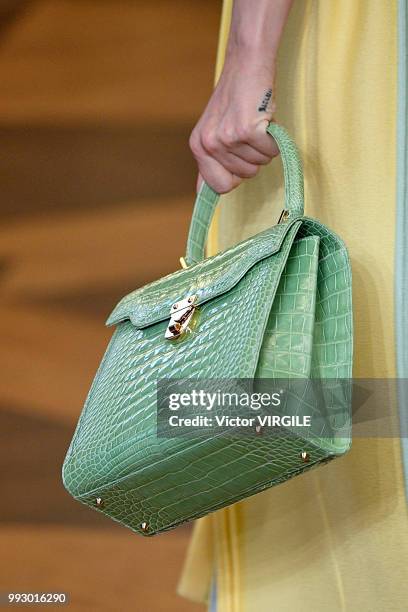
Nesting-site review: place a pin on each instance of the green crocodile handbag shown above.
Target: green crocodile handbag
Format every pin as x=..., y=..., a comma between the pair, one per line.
x=277, y=306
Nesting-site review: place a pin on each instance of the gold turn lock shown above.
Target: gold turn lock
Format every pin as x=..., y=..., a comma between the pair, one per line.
x=181, y=314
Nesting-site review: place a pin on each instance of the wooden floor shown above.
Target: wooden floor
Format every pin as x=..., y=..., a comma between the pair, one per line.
x=97, y=103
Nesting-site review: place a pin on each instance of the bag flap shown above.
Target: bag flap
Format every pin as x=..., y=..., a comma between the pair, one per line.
x=206, y=280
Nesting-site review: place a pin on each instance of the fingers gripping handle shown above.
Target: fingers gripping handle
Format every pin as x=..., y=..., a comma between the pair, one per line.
x=207, y=198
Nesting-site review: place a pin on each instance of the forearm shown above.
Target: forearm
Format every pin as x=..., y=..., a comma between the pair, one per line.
x=255, y=33
x=230, y=141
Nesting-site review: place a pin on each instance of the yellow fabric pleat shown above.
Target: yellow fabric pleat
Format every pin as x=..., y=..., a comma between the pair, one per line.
x=335, y=539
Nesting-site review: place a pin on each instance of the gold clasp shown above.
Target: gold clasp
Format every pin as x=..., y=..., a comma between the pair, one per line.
x=283, y=216
x=181, y=314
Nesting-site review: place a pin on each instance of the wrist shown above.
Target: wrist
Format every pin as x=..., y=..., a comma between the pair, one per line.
x=255, y=33
x=250, y=59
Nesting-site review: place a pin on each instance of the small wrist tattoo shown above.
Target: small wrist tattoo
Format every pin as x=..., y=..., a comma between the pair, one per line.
x=265, y=101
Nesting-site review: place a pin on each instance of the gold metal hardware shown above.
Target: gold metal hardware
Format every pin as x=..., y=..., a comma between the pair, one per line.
x=181, y=314
x=283, y=216
x=144, y=527
x=183, y=263
x=99, y=502
x=305, y=457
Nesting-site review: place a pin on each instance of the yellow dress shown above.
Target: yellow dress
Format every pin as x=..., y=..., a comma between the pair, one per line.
x=336, y=538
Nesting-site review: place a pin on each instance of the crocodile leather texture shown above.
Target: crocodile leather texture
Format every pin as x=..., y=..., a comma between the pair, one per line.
x=293, y=283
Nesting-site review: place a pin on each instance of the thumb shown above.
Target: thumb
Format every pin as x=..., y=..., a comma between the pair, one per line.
x=261, y=133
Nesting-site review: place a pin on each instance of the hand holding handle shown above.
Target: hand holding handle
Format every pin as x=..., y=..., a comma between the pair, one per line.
x=207, y=198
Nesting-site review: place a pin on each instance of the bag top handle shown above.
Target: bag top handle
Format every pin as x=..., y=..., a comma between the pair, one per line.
x=207, y=198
